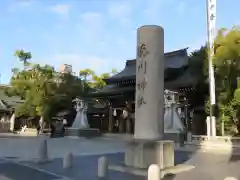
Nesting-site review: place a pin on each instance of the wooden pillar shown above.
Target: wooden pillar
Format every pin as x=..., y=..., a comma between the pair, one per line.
x=110, y=118
x=129, y=118
x=121, y=124
x=128, y=124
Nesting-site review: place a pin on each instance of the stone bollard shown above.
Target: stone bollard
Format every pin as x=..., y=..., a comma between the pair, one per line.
x=102, y=167
x=189, y=137
x=43, y=151
x=68, y=161
x=154, y=172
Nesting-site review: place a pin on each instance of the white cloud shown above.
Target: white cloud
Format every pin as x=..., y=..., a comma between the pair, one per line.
x=120, y=11
x=61, y=9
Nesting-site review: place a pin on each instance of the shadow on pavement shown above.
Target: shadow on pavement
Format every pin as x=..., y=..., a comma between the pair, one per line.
x=169, y=177
x=235, y=150
x=12, y=171
x=85, y=167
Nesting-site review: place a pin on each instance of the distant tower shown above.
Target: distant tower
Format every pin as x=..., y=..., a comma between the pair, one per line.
x=66, y=68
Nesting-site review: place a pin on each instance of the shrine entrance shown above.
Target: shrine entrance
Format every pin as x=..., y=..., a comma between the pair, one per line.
x=121, y=88
x=122, y=115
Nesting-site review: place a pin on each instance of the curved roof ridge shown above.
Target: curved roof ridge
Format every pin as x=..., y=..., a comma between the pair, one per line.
x=173, y=59
x=183, y=50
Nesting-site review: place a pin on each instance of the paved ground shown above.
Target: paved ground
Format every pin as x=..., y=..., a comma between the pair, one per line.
x=13, y=171
x=26, y=148
x=17, y=161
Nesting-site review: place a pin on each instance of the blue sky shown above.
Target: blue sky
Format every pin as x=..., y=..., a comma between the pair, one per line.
x=99, y=34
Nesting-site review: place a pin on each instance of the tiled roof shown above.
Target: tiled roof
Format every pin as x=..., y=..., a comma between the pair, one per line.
x=183, y=81
x=173, y=60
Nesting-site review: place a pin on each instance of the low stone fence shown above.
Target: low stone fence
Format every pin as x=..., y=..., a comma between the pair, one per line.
x=217, y=138
x=226, y=141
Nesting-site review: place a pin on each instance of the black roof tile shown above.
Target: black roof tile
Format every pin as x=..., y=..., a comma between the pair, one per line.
x=173, y=60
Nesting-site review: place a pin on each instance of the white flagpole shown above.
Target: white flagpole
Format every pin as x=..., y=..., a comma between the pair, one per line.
x=211, y=29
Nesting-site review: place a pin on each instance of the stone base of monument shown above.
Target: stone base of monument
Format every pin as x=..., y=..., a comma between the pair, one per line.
x=140, y=154
x=87, y=132
x=178, y=138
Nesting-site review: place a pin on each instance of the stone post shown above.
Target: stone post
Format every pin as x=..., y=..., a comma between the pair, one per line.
x=154, y=172
x=149, y=108
x=68, y=161
x=43, y=152
x=102, y=167
x=189, y=136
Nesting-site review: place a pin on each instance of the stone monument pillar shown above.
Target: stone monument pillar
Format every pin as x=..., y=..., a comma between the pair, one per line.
x=149, y=108
x=147, y=147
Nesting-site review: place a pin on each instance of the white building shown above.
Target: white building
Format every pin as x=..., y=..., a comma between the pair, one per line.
x=66, y=68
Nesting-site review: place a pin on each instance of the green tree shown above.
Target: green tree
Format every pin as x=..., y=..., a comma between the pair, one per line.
x=198, y=62
x=43, y=90
x=86, y=73
x=114, y=71
x=23, y=56
x=227, y=69
x=34, y=85
x=93, y=80
x=98, y=81
x=198, y=66
x=66, y=88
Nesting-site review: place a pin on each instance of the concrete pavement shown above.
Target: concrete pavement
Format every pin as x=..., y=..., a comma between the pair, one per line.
x=26, y=148
x=17, y=157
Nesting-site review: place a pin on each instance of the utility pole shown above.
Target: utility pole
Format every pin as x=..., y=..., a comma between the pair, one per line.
x=211, y=31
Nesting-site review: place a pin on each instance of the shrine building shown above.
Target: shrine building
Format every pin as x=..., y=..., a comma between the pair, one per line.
x=119, y=93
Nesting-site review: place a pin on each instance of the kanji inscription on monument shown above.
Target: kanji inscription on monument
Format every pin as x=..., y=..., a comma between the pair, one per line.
x=142, y=51
x=142, y=69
